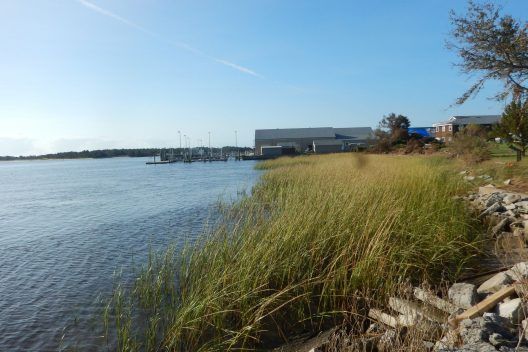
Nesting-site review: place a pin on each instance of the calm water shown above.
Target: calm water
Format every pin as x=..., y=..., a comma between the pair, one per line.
x=66, y=226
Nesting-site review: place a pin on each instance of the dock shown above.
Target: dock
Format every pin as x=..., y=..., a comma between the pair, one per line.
x=160, y=162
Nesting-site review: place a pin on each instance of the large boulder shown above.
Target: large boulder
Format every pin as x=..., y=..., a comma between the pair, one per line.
x=463, y=295
x=495, y=283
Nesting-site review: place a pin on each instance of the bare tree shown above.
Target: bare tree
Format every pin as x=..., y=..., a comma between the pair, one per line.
x=492, y=46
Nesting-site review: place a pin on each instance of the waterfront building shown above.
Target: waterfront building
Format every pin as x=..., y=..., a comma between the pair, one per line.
x=445, y=130
x=313, y=140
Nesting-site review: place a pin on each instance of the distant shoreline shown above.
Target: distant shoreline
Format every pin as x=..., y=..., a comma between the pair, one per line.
x=116, y=153
x=48, y=159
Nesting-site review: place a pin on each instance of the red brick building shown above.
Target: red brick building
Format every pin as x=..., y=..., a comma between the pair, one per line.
x=445, y=130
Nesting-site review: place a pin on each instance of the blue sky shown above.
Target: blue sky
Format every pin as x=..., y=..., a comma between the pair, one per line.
x=86, y=74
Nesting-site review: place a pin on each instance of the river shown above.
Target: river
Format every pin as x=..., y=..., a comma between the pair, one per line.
x=67, y=226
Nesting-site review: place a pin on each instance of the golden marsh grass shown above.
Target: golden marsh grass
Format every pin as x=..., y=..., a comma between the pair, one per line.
x=320, y=238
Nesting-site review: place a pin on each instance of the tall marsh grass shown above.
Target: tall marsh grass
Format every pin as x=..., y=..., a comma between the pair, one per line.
x=320, y=239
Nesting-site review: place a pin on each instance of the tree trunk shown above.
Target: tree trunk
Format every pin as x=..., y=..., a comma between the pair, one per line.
x=518, y=151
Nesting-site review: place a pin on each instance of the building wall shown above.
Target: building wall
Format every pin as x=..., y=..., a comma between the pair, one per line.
x=300, y=144
x=332, y=148
x=445, y=132
x=273, y=151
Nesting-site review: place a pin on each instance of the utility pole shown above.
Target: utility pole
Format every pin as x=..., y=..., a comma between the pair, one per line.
x=179, y=133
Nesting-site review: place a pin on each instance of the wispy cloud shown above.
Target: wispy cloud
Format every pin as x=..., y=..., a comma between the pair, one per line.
x=237, y=67
x=181, y=45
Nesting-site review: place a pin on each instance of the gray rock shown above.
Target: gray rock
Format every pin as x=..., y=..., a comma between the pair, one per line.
x=494, y=198
x=511, y=198
x=428, y=345
x=446, y=343
x=463, y=295
x=511, y=310
x=387, y=340
x=519, y=271
x=469, y=178
x=495, y=283
x=488, y=189
x=496, y=323
x=498, y=340
x=500, y=226
x=491, y=209
x=476, y=347
x=472, y=331
x=513, y=349
x=510, y=213
x=522, y=204
x=510, y=206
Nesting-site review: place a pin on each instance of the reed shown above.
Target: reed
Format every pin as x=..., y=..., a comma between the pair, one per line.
x=320, y=238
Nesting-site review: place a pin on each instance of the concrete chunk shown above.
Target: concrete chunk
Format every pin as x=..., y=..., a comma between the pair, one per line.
x=431, y=299
x=511, y=310
x=511, y=198
x=500, y=226
x=495, y=283
x=463, y=295
x=488, y=189
x=416, y=310
x=519, y=271
x=491, y=209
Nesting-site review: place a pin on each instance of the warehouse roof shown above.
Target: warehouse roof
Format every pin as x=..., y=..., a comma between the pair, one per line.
x=361, y=133
x=317, y=132
x=471, y=119
x=284, y=133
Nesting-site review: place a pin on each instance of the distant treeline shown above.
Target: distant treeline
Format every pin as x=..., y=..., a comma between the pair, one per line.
x=112, y=153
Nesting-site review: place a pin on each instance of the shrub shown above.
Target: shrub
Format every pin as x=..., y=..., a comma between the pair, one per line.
x=471, y=144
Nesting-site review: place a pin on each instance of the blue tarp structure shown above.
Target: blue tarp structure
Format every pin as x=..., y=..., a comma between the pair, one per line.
x=422, y=131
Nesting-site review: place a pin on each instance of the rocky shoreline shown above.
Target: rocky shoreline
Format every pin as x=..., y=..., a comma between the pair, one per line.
x=489, y=316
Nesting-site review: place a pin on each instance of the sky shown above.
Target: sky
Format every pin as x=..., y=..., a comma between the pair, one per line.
x=92, y=74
